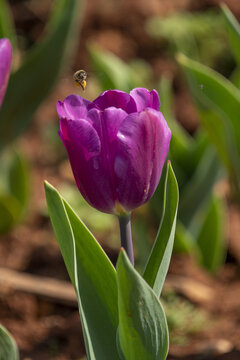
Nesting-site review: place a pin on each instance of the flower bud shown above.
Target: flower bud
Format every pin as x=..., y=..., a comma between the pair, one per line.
x=117, y=146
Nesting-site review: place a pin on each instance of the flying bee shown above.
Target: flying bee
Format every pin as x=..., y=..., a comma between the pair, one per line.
x=80, y=77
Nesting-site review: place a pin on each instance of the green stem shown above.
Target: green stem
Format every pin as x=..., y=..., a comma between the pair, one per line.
x=126, y=235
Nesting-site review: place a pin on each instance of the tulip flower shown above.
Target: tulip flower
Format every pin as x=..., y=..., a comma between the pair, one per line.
x=117, y=146
x=5, y=66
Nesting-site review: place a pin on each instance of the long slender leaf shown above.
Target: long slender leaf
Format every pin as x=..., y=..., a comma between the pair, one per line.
x=143, y=332
x=7, y=29
x=215, y=93
x=199, y=187
x=93, y=276
x=112, y=72
x=19, y=171
x=31, y=83
x=211, y=237
x=233, y=29
x=158, y=262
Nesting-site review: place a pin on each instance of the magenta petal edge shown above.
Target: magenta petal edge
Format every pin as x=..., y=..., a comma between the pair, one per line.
x=5, y=65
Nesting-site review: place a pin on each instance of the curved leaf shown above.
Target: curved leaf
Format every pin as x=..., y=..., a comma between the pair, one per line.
x=233, y=29
x=8, y=347
x=143, y=331
x=159, y=259
x=92, y=275
x=215, y=93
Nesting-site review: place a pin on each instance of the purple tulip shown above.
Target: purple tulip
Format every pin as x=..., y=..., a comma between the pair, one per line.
x=5, y=65
x=117, y=146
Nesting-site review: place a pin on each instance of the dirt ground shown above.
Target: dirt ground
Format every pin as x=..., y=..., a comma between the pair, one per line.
x=50, y=328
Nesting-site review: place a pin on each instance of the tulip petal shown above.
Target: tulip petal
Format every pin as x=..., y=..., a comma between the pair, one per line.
x=144, y=98
x=141, y=150
x=112, y=119
x=117, y=99
x=5, y=66
x=87, y=161
x=73, y=107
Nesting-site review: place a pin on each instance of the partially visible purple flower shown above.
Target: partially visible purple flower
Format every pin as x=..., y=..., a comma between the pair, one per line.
x=117, y=146
x=5, y=66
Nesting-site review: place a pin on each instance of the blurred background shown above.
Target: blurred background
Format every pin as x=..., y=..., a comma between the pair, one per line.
x=189, y=51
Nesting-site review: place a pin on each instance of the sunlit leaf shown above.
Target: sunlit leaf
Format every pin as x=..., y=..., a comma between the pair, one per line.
x=8, y=347
x=92, y=274
x=159, y=259
x=143, y=332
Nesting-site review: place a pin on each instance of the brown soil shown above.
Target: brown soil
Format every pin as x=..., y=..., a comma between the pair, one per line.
x=47, y=329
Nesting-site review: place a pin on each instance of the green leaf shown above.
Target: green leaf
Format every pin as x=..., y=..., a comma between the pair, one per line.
x=92, y=275
x=32, y=82
x=184, y=241
x=9, y=212
x=111, y=71
x=166, y=96
x=211, y=237
x=198, y=188
x=7, y=29
x=143, y=332
x=233, y=29
x=14, y=189
x=159, y=259
x=19, y=179
x=8, y=347
x=215, y=93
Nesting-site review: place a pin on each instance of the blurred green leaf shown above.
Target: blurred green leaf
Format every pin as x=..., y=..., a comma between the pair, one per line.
x=215, y=93
x=7, y=29
x=140, y=73
x=32, y=82
x=159, y=259
x=199, y=34
x=235, y=77
x=181, y=137
x=184, y=241
x=211, y=237
x=143, y=332
x=92, y=275
x=19, y=179
x=233, y=29
x=111, y=71
x=9, y=212
x=198, y=188
x=8, y=347
x=14, y=189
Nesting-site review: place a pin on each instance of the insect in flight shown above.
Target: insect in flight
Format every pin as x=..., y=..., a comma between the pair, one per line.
x=80, y=77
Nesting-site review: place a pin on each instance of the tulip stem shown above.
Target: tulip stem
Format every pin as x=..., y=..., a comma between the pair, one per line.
x=126, y=235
